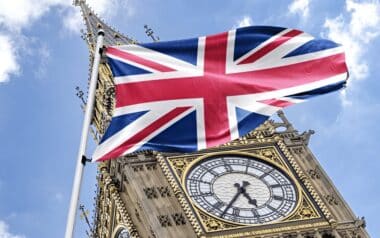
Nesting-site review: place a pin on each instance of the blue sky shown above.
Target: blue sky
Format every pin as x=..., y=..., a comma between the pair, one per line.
x=43, y=59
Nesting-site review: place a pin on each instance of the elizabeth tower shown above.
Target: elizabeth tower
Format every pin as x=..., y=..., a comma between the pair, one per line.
x=266, y=184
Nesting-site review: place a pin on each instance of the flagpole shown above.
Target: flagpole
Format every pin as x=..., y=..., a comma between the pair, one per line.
x=83, y=142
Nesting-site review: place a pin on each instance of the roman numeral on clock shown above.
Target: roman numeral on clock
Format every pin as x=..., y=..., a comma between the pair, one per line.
x=209, y=170
x=203, y=195
x=197, y=180
x=278, y=198
x=227, y=166
x=272, y=208
x=235, y=211
x=266, y=173
x=218, y=205
x=256, y=215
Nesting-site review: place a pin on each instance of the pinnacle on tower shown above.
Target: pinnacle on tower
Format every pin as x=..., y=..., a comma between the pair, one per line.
x=94, y=23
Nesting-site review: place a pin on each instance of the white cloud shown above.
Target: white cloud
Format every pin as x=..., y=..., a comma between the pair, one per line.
x=300, y=7
x=15, y=16
x=19, y=15
x=14, y=19
x=245, y=21
x=73, y=20
x=355, y=30
x=5, y=233
x=365, y=19
x=8, y=61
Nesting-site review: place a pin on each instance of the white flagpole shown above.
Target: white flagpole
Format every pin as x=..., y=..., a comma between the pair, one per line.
x=83, y=142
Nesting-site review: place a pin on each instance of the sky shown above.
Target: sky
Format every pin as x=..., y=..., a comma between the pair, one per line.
x=43, y=59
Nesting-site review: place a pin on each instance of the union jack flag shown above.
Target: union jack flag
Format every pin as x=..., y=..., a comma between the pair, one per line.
x=192, y=94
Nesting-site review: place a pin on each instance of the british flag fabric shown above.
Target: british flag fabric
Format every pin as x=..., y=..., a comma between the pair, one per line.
x=187, y=95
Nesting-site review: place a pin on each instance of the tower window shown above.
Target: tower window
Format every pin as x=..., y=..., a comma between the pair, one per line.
x=150, y=192
x=164, y=191
x=179, y=219
x=164, y=220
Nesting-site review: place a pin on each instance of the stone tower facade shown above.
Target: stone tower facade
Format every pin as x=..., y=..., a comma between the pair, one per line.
x=284, y=190
x=145, y=193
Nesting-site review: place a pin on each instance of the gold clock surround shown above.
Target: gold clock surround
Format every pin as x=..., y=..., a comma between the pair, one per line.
x=305, y=215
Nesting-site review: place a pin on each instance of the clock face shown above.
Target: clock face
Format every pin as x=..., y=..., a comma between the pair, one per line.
x=241, y=189
x=123, y=234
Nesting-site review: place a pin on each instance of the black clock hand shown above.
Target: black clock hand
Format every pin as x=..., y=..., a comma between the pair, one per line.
x=250, y=200
x=245, y=194
x=233, y=199
x=240, y=190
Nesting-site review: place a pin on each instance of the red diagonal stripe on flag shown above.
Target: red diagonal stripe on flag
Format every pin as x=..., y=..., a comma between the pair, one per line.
x=229, y=85
x=271, y=46
x=141, y=135
x=136, y=59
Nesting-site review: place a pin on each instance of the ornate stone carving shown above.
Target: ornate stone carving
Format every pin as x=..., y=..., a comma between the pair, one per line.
x=314, y=173
x=212, y=224
x=297, y=150
x=360, y=222
x=271, y=155
x=109, y=193
x=305, y=136
x=305, y=211
x=151, y=166
x=332, y=199
x=137, y=168
x=180, y=165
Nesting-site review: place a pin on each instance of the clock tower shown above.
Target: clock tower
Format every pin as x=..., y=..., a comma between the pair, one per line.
x=266, y=184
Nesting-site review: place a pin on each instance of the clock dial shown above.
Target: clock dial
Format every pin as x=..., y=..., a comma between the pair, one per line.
x=123, y=234
x=241, y=189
